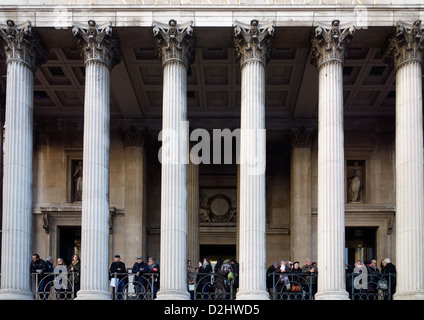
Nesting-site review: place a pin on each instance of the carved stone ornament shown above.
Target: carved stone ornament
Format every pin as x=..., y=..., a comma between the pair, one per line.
x=98, y=43
x=176, y=42
x=302, y=137
x=253, y=42
x=21, y=44
x=330, y=43
x=217, y=208
x=133, y=136
x=405, y=45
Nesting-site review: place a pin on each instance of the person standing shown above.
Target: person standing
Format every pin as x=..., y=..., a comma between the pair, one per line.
x=154, y=269
x=74, y=274
x=38, y=267
x=60, y=278
x=118, y=272
x=140, y=282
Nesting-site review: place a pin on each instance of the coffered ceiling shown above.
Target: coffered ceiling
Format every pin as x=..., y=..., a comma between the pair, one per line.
x=213, y=83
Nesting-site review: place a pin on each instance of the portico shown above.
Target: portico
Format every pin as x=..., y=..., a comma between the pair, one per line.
x=322, y=94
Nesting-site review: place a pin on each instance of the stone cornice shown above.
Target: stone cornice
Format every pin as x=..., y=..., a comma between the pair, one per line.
x=21, y=44
x=253, y=42
x=330, y=43
x=98, y=43
x=176, y=42
x=405, y=45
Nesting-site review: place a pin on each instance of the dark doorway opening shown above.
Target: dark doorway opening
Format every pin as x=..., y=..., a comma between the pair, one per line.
x=214, y=252
x=69, y=243
x=360, y=244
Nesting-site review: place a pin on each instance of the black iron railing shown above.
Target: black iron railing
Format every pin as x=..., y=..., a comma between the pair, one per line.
x=212, y=286
x=292, y=286
x=54, y=285
x=129, y=286
x=371, y=286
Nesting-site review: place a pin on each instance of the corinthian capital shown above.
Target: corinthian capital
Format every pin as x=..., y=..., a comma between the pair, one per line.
x=176, y=42
x=330, y=43
x=98, y=43
x=21, y=44
x=253, y=42
x=405, y=45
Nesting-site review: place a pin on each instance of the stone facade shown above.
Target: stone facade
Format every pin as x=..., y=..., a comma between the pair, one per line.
x=342, y=149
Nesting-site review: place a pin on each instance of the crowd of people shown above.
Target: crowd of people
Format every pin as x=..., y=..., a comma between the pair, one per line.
x=284, y=275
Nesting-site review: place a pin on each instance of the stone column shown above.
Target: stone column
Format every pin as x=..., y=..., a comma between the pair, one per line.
x=193, y=244
x=405, y=54
x=300, y=194
x=24, y=55
x=99, y=49
x=329, y=48
x=176, y=46
x=135, y=214
x=252, y=47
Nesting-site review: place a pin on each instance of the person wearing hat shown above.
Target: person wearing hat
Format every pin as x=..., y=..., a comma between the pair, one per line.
x=140, y=282
x=271, y=279
x=118, y=271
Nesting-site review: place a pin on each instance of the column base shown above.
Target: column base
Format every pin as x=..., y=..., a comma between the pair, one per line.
x=332, y=295
x=409, y=295
x=93, y=295
x=173, y=295
x=252, y=295
x=10, y=294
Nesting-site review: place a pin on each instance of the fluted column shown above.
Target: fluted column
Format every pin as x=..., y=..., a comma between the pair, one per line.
x=329, y=48
x=193, y=245
x=405, y=54
x=135, y=213
x=300, y=194
x=252, y=47
x=99, y=49
x=176, y=47
x=23, y=55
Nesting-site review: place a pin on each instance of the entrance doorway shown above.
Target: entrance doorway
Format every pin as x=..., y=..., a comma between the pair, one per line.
x=214, y=252
x=360, y=244
x=69, y=243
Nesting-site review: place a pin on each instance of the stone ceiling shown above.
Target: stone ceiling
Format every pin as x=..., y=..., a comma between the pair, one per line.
x=214, y=79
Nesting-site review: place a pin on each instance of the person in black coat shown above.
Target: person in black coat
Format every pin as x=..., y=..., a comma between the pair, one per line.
x=118, y=267
x=140, y=282
x=389, y=274
x=205, y=267
x=38, y=266
x=270, y=278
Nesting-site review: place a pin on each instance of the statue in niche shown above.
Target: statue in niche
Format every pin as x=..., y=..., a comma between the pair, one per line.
x=354, y=186
x=78, y=181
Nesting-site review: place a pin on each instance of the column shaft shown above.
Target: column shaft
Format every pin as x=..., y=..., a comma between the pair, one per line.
x=409, y=182
x=173, y=248
x=300, y=197
x=100, y=51
x=17, y=191
x=95, y=192
x=404, y=52
x=24, y=55
x=331, y=220
x=329, y=48
x=193, y=245
x=252, y=253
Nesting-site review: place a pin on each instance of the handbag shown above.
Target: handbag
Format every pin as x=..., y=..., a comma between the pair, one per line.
x=296, y=288
x=382, y=285
x=230, y=276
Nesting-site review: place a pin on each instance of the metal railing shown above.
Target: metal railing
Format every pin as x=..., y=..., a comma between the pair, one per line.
x=292, y=286
x=371, y=286
x=212, y=286
x=54, y=285
x=129, y=286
